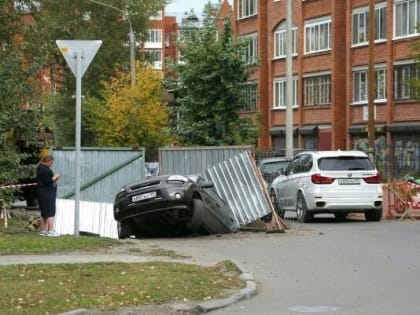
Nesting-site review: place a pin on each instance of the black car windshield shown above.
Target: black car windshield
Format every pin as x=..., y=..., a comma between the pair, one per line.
x=345, y=163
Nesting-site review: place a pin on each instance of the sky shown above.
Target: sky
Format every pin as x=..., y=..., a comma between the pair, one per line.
x=179, y=7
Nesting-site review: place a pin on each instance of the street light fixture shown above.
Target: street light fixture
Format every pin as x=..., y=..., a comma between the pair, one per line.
x=131, y=39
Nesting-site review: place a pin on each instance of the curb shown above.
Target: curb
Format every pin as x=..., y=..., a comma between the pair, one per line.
x=245, y=293
x=249, y=291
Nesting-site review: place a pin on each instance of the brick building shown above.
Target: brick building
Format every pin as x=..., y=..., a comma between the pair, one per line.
x=330, y=72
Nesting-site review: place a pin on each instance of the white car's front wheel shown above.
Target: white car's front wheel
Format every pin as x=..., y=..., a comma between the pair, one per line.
x=302, y=213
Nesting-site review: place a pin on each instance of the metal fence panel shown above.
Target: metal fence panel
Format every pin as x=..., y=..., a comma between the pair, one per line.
x=237, y=182
x=103, y=171
x=194, y=160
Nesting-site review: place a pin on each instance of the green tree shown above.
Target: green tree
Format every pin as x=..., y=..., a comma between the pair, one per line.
x=20, y=102
x=209, y=90
x=82, y=20
x=131, y=116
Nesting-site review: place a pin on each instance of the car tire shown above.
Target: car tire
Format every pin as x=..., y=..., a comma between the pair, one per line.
x=273, y=199
x=125, y=228
x=302, y=213
x=373, y=215
x=340, y=215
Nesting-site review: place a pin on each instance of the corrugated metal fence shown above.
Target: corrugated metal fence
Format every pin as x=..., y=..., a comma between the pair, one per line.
x=237, y=181
x=103, y=171
x=194, y=160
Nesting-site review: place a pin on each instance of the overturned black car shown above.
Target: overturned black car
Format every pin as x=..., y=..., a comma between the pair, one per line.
x=171, y=205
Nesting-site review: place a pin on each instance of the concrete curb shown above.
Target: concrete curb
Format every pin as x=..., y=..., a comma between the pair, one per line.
x=204, y=307
x=245, y=293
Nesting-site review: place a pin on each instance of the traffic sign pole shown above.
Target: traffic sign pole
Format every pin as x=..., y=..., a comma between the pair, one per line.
x=78, y=55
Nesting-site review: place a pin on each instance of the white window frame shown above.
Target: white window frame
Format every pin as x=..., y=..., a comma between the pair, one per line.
x=247, y=8
x=360, y=27
x=406, y=18
x=279, y=93
x=318, y=35
x=403, y=74
x=317, y=89
x=154, y=35
x=360, y=85
x=250, y=55
x=280, y=41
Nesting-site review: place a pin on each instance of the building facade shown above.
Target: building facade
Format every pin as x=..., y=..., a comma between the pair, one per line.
x=330, y=72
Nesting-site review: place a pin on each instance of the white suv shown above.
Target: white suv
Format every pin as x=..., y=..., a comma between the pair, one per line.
x=338, y=182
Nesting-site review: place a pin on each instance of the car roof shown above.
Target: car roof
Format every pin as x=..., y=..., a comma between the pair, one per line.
x=334, y=153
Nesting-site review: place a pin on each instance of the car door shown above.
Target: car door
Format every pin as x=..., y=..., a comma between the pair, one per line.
x=284, y=183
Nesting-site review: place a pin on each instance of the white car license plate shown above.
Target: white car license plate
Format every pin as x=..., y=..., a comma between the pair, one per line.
x=144, y=196
x=349, y=181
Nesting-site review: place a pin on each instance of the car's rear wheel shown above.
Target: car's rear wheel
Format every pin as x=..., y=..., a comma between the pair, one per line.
x=125, y=228
x=373, y=215
x=302, y=213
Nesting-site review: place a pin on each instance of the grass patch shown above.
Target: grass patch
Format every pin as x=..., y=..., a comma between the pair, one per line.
x=55, y=288
x=17, y=240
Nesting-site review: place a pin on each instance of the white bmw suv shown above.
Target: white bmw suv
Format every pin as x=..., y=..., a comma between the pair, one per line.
x=338, y=182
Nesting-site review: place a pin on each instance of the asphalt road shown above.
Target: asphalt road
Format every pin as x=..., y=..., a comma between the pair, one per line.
x=325, y=267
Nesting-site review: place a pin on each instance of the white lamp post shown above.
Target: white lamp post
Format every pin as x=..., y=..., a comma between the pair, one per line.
x=131, y=39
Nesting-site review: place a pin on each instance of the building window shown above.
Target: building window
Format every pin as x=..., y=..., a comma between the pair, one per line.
x=318, y=35
x=317, y=90
x=360, y=32
x=154, y=57
x=154, y=36
x=403, y=77
x=360, y=85
x=280, y=42
x=247, y=8
x=407, y=17
x=280, y=96
x=250, y=96
x=250, y=55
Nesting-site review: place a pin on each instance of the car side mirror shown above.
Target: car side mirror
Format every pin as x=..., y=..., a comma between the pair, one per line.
x=207, y=184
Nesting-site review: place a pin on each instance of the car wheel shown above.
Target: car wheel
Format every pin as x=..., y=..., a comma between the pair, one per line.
x=273, y=199
x=302, y=213
x=373, y=215
x=125, y=228
x=340, y=215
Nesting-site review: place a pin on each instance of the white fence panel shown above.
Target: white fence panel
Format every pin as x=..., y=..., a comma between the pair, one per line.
x=96, y=218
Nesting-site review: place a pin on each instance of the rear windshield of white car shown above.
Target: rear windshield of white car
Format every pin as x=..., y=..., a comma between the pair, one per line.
x=345, y=163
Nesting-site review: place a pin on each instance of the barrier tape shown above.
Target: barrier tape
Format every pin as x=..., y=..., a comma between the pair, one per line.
x=17, y=186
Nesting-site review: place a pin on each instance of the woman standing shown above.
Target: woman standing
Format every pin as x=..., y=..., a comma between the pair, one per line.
x=47, y=194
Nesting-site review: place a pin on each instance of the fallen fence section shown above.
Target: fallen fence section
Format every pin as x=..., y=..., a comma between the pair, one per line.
x=237, y=182
x=95, y=218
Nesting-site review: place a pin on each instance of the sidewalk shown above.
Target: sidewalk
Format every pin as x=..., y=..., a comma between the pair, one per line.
x=175, y=309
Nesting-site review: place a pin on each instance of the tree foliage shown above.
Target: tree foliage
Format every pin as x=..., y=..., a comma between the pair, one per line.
x=209, y=90
x=17, y=92
x=131, y=116
x=83, y=20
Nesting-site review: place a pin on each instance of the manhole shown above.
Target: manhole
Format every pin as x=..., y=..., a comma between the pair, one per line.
x=313, y=309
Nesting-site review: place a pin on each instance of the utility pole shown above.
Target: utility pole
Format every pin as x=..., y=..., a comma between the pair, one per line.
x=371, y=80
x=289, y=81
x=131, y=40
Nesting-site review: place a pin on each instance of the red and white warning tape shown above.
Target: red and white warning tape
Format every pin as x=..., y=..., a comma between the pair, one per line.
x=17, y=186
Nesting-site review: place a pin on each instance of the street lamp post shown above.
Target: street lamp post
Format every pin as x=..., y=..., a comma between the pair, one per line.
x=131, y=39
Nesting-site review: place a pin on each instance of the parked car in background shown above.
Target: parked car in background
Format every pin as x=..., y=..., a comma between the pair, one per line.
x=171, y=205
x=338, y=182
x=272, y=167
